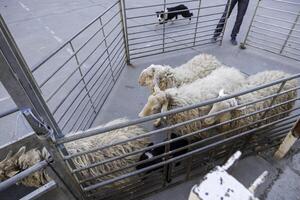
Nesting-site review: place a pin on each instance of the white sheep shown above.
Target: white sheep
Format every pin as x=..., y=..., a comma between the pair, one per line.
x=164, y=76
x=252, y=82
x=22, y=160
x=189, y=94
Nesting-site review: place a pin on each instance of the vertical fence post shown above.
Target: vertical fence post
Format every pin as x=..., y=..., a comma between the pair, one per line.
x=18, y=80
x=199, y=6
x=81, y=75
x=226, y=19
x=290, y=33
x=164, y=26
x=106, y=49
x=124, y=29
x=242, y=45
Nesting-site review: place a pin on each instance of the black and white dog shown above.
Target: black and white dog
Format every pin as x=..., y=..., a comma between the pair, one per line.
x=173, y=12
x=149, y=154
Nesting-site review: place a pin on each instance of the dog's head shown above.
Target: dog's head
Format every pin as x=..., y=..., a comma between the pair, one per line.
x=160, y=16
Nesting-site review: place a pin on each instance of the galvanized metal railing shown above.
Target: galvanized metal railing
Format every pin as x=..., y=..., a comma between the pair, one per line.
x=265, y=132
x=269, y=32
x=147, y=37
x=82, y=71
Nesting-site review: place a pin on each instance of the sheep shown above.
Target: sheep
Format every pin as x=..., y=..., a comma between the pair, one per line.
x=189, y=94
x=164, y=76
x=252, y=82
x=22, y=160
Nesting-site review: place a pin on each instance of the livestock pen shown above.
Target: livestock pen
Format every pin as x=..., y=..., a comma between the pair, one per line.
x=63, y=99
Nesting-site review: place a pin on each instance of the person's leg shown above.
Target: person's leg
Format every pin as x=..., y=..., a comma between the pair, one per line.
x=242, y=8
x=221, y=23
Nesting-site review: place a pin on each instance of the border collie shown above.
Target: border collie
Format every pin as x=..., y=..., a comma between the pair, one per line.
x=173, y=12
x=149, y=154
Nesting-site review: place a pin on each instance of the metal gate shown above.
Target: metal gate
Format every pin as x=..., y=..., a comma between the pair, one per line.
x=275, y=27
x=146, y=36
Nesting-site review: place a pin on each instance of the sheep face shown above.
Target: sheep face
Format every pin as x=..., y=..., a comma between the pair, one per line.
x=219, y=106
x=157, y=102
x=147, y=75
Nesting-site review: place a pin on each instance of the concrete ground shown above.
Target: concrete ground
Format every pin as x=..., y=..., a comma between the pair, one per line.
x=41, y=26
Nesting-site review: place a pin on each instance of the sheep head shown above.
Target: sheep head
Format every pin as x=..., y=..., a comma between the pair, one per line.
x=219, y=106
x=14, y=164
x=157, y=102
x=9, y=166
x=147, y=75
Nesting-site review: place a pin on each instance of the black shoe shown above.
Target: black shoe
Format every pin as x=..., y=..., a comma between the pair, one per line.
x=233, y=41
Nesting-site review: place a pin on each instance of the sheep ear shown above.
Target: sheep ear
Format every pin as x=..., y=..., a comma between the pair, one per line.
x=222, y=93
x=20, y=152
x=12, y=173
x=8, y=156
x=164, y=107
x=45, y=154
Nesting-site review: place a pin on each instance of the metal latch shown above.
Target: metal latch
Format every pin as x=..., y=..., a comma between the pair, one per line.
x=38, y=125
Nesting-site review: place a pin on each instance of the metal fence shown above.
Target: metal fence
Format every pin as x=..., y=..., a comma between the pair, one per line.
x=260, y=134
x=82, y=72
x=147, y=37
x=275, y=27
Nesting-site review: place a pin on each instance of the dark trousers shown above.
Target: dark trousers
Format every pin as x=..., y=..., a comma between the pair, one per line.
x=242, y=8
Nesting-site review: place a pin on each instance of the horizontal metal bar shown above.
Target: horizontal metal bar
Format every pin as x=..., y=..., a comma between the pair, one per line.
x=40, y=63
x=273, y=31
x=61, y=117
x=174, y=126
x=178, y=45
x=80, y=80
x=263, y=44
x=264, y=40
x=92, y=52
x=23, y=174
x=155, y=5
x=150, y=15
x=9, y=112
x=98, y=130
x=275, y=37
x=212, y=138
x=68, y=78
x=287, y=2
x=187, y=136
x=275, y=9
x=170, y=37
x=180, y=157
x=87, y=103
x=249, y=44
x=277, y=26
x=138, y=32
x=70, y=91
x=40, y=191
x=276, y=18
x=172, y=50
x=174, y=42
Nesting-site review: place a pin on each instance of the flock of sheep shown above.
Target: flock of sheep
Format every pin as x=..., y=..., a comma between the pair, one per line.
x=200, y=79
